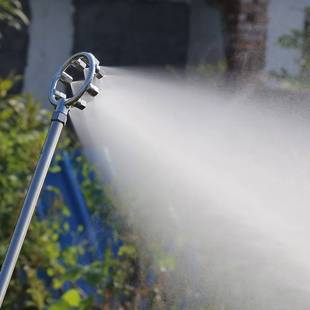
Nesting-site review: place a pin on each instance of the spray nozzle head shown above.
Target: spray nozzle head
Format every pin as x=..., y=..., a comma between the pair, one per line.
x=76, y=77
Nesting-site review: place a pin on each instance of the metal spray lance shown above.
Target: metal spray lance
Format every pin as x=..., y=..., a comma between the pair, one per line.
x=72, y=85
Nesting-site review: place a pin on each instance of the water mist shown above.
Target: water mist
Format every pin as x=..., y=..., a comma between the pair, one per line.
x=220, y=179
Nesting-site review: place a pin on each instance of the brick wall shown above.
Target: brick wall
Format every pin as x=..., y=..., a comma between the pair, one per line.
x=246, y=22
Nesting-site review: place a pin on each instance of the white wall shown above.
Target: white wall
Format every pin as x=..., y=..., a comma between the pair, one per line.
x=51, y=40
x=284, y=15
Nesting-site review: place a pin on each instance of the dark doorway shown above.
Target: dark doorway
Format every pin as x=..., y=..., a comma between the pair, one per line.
x=122, y=32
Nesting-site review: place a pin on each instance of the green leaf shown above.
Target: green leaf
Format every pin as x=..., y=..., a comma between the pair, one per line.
x=127, y=250
x=55, y=169
x=60, y=305
x=72, y=297
x=57, y=283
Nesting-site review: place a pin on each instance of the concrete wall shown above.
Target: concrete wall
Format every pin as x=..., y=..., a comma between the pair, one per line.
x=283, y=16
x=50, y=44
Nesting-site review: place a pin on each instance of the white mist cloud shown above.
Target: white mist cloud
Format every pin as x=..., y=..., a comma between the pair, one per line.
x=224, y=174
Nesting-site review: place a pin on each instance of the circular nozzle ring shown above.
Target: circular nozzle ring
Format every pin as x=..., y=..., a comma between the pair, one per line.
x=85, y=63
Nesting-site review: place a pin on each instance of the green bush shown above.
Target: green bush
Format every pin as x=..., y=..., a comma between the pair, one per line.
x=116, y=279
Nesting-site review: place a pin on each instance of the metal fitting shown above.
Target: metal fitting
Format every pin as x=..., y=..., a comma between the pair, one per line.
x=59, y=117
x=83, y=68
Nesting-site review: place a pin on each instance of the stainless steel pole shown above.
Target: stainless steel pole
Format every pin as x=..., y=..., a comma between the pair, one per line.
x=21, y=228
